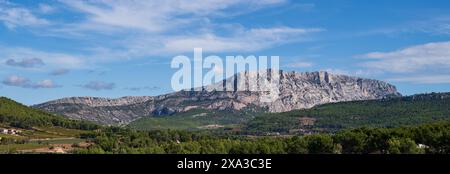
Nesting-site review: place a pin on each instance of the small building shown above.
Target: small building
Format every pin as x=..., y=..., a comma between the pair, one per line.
x=307, y=121
x=3, y=131
x=10, y=131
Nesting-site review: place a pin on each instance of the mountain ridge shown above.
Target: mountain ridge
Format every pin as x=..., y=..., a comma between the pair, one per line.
x=296, y=91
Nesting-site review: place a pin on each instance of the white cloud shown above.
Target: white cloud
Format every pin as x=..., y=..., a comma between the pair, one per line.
x=58, y=72
x=25, y=63
x=52, y=60
x=242, y=40
x=15, y=16
x=411, y=59
x=299, y=65
x=158, y=15
x=422, y=64
x=46, y=9
x=136, y=29
x=250, y=40
x=439, y=25
x=23, y=82
x=173, y=26
x=424, y=79
x=15, y=80
x=45, y=84
x=140, y=88
x=99, y=85
x=435, y=25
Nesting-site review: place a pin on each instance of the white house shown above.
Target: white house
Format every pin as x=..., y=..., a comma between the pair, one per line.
x=10, y=131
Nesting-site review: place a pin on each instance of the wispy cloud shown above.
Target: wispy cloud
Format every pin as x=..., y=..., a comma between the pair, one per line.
x=141, y=88
x=50, y=59
x=14, y=80
x=99, y=85
x=432, y=25
x=411, y=59
x=58, y=72
x=426, y=64
x=159, y=15
x=25, y=63
x=45, y=84
x=438, y=25
x=424, y=79
x=113, y=30
x=163, y=30
x=137, y=29
x=13, y=16
x=19, y=81
x=299, y=64
x=46, y=8
x=250, y=40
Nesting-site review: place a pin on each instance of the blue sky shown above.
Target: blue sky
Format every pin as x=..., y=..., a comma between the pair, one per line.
x=59, y=48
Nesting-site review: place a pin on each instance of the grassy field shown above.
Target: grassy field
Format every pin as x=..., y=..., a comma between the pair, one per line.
x=51, y=132
x=12, y=136
x=38, y=144
x=62, y=131
x=61, y=141
x=26, y=146
x=41, y=138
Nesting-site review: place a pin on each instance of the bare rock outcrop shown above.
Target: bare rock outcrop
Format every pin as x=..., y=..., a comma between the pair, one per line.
x=295, y=91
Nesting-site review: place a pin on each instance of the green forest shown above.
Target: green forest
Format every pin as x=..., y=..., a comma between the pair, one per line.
x=329, y=118
x=430, y=138
x=416, y=124
x=17, y=115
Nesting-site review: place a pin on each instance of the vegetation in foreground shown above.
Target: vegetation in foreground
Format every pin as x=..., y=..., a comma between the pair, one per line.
x=430, y=138
x=34, y=130
x=42, y=132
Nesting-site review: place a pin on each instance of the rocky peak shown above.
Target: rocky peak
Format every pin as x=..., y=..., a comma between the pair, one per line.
x=296, y=91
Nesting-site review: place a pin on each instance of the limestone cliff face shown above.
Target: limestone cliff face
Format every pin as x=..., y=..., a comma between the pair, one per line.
x=305, y=90
x=295, y=91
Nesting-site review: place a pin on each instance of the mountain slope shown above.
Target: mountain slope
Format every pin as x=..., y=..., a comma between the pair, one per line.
x=393, y=112
x=17, y=115
x=297, y=91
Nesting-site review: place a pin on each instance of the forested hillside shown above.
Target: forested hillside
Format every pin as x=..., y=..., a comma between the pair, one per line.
x=17, y=115
x=392, y=112
x=47, y=133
